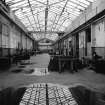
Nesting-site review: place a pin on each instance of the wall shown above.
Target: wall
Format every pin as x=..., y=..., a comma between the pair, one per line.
x=82, y=46
x=89, y=50
x=24, y=41
x=93, y=9
x=12, y=37
x=98, y=29
x=5, y=29
x=29, y=44
x=98, y=37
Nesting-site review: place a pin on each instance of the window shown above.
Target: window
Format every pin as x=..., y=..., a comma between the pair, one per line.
x=57, y=14
x=5, y=34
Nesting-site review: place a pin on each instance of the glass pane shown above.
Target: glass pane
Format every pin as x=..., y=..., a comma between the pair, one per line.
x=60, y=13
x=4, y=29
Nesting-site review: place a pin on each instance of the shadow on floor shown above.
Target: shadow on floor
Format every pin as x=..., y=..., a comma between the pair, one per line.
x=11, y=96
x=83, y=96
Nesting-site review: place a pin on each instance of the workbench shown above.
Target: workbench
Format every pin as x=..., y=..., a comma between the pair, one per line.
x=65, y=59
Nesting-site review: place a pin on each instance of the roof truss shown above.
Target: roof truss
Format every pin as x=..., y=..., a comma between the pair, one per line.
x=47, y=15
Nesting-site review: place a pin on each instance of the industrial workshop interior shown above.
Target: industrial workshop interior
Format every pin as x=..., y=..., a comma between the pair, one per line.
x=52, y=52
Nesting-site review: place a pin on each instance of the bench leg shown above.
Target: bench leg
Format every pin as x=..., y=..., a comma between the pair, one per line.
x=60, y=67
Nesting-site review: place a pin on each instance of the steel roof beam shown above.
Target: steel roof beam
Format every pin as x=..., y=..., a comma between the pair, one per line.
x=28, y=20
x=53, y=22
x=38, y=22
x=46, y=15
x=57, y=24
x=89, y=1
x=61, y=13
x=41, y=25
x=70, y=13
x=40, y=2
x=32, y=13
x=69, y=10
x=14, y=10
x=12, y=6
x=56, y=13
x=77, y=4
x=63, y=22
x=82, y=3
x=15, y=2
x=47, y=32
x=56, y=2
x=73, y=7
x=65, y=11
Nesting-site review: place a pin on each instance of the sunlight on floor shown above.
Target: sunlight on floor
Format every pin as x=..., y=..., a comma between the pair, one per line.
x=47, y=94
x=40, y=71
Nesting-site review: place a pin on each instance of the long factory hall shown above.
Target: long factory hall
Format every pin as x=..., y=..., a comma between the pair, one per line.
x=52, y=52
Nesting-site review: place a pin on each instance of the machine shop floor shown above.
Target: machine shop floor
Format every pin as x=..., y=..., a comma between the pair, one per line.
x=83, y=77
x=43, y=87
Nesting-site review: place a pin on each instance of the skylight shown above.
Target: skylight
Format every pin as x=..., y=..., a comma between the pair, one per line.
x=47, y=15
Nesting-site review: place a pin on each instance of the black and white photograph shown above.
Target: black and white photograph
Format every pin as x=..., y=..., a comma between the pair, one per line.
x=52, y=52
